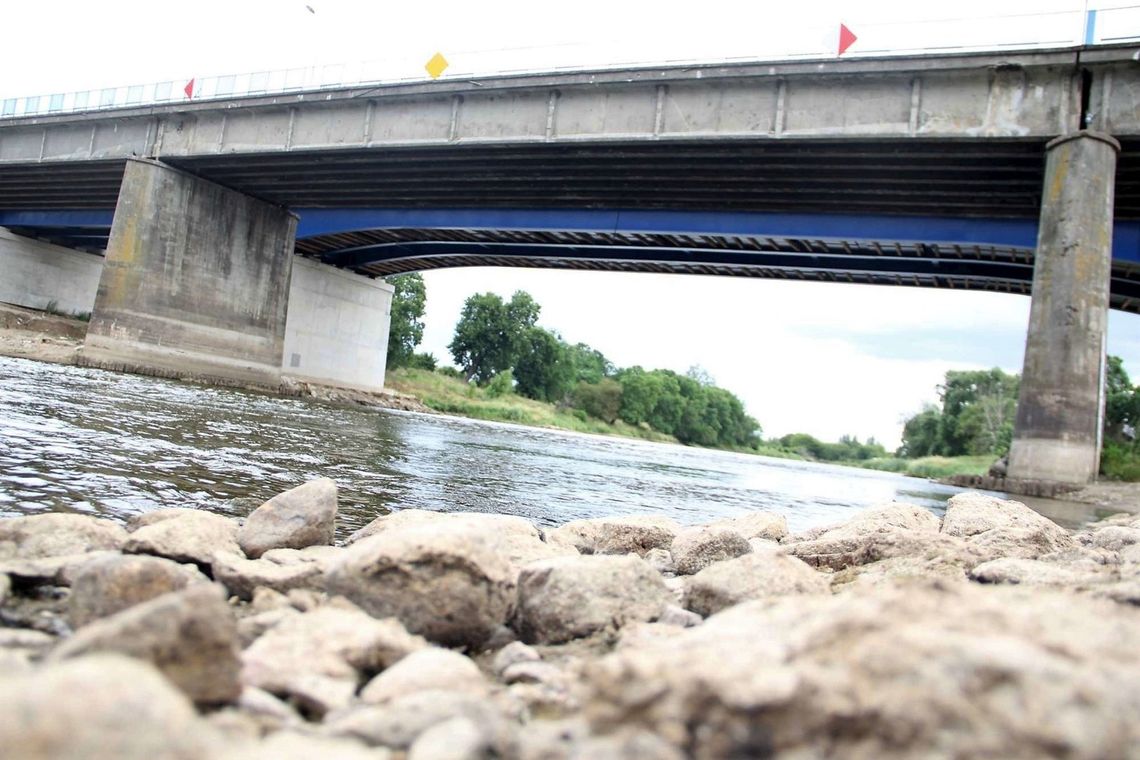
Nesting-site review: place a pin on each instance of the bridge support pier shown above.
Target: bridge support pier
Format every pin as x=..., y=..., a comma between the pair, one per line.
x=1060, y=411
x=195, y=283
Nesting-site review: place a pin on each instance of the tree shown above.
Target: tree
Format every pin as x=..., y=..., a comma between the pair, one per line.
x=922, y=433
x=489, y=333
x=406, y=328
x=601, y=400
x=543, y=368
x=590, y=365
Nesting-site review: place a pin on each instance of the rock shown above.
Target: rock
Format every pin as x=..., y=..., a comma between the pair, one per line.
x=455, y=739
x=265, y=599
x=753, y=576
x=425, y=669
x=292, y=745
x=884, y=518
x=661, y=560
x=512, y=654
x=678, y=616
x=839, y=550
x=1038, y=573
x=5, y=587
x=892, y=672
x=571, y=597
x=190, y=636
x=54, y=571
x=904, y=527
x=999, y=468
x=184, y=535
x=242, y=576
x=1115, y=538
x=318, y=659
x=694, y=549
x=619, y=535
x=56, y=534
x=397, y=724
x=103, y=706
x=300, y=517
x=112, y=583
x=1001, y=528
x=441, y=581
x=267, y=709
x=766, y=525
x=252, y=627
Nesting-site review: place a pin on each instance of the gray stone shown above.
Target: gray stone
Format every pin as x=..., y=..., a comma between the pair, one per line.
x=293, y=745
x=1034, y=572
x=252, y=627
x=883, y=518
x=318, y=659
x=300, y=517
x=661, y=560
x=455, y=739
x=694, y=549
x=442, y=581
x=766, y=525
x=618, y=535
x=753, y=576
x=1115, y=537
x=55, y=534
x=109, y=584
x=54, y=571
x=242, y=576
x=1001, y=528
x=190, y=636
x=183, y=535
x=840, y=549
x=511, y=654
x=268, y=710
x=103, y=706
x=678, y=616
x=425, y=669
x=922, y=669
x=571, y=597
x=400, y=722
x=5, y=587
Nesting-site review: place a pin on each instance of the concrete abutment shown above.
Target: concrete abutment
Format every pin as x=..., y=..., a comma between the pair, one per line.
x=200, y=281
x=1060, y=412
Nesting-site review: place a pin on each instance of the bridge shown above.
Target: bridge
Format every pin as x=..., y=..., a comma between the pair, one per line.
x=1017, y=172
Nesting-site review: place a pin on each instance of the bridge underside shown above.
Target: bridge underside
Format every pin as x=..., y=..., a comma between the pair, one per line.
x=929, y=213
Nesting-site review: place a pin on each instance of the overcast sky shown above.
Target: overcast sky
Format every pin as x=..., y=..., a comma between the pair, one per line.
x=826, y=359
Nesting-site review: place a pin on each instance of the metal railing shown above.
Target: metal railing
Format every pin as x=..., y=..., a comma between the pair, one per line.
x=1059, y=29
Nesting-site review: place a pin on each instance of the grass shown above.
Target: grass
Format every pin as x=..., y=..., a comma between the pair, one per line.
x=930, y=467
x=452, y=396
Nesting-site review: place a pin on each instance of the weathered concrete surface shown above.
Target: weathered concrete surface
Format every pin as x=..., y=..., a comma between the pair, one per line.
x=1060, y=409
x=39, y=275
x=336, y=332
x=196, y=280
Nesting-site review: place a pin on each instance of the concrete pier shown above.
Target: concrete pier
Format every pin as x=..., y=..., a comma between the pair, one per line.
x=196, y=280
x=44, y=276
x=1061, y=405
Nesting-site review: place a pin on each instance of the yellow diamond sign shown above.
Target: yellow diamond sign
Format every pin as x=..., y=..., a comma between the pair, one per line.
x=436, y=65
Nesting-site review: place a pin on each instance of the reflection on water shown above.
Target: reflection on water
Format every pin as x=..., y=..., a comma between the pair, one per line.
x=116, y=445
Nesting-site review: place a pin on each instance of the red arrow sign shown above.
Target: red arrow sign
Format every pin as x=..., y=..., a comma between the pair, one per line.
x=846, y=38
x=189, y=89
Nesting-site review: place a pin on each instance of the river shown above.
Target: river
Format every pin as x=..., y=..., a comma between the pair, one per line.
x=116, y=445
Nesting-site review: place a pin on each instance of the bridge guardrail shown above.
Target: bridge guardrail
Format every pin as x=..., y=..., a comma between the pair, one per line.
x=1057, y=29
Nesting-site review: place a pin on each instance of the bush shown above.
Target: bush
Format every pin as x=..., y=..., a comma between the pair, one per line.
x=501, y=384
x=1120, y=461
x=451, y=372
x=601, y=400
x=422, y=361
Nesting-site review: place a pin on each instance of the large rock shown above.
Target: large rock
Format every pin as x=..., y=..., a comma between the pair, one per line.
x=294, y=745
x=281, y=570
x=1114, y=537
x=882, y=532
x=398, y=723
x=570, y=597
x=918, y=670
x=440, y=580
x=54, y=571
x=189, y=635
x=183, y=535
x=109, y=584
x=300, y=517
x=428, y=668
x=767, y=525
x=318, y=659
x=694, y=549
x=757, y=575
x=618, y=535
x=1001, y=528
x=103, y=706
x=55, y=534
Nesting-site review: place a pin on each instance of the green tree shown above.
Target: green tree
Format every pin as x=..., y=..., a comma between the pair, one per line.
x=543, y=368
x=922, y=434
x=590, y=365
x=601, y=399
x=489, y=333
x=1122, y=402
x=406, y=328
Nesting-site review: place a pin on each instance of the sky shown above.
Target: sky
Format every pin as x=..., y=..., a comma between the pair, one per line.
x=822, y=358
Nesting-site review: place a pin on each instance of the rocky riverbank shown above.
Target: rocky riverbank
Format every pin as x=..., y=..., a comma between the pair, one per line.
x=990, y=633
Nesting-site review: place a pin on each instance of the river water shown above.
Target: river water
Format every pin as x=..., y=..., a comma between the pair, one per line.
x=115, y=445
